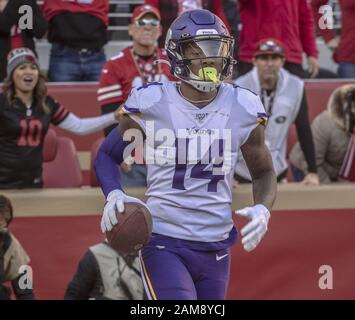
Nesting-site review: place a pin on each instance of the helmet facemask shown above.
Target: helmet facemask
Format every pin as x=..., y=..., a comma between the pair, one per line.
x=202, y=61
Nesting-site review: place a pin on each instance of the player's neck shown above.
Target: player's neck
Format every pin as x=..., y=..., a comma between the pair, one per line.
x=25, y=97
x=143, y=50
x=198, y=98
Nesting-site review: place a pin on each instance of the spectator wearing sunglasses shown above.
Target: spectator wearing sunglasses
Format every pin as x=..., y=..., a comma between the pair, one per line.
x=134, y=67
x=78, y=33
x=284, y=100
x=288, y=21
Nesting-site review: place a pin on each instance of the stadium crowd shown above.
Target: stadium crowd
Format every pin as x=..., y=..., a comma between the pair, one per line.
x=272, y=39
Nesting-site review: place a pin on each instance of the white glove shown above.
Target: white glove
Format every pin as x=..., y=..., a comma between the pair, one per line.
x=115, y=201
x=255, y=230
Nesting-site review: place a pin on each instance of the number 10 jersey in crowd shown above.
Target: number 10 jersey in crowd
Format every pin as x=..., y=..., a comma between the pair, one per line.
x=22, y=132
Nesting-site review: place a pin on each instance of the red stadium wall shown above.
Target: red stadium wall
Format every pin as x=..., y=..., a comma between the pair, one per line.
x=284, y=266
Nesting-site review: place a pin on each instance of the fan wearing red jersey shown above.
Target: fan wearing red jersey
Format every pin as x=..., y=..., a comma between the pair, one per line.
x=135, y=65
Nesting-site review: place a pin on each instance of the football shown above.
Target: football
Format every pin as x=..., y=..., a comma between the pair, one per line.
x=133, y=230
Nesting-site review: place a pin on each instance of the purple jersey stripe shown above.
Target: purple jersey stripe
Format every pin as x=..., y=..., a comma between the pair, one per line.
x=132, y=110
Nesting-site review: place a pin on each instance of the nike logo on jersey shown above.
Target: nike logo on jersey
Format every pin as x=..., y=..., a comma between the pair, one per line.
x=221, y=257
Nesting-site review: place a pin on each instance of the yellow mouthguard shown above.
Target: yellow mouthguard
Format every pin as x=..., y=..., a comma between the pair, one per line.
x=209, y=73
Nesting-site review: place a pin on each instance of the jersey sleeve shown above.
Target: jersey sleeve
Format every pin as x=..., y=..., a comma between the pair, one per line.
x=110, y=88
x=254, y=112
x=139, y=105
x=58, y=112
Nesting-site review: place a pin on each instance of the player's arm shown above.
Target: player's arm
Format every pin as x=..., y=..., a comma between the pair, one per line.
x=111, y=154
x=259, y=162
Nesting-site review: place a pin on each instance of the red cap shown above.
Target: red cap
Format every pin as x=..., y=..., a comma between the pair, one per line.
x=141, y=10
x=270, y=46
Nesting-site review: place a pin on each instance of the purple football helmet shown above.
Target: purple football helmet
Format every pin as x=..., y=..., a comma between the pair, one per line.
x=198, y=41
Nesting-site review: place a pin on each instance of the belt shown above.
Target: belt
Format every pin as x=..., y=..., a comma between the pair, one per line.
x=79, y=50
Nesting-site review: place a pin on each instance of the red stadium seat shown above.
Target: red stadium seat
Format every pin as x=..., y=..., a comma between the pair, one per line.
x=95, y=147
x=61, y=168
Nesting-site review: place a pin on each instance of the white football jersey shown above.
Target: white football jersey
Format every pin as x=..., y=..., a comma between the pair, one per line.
x=190, y=154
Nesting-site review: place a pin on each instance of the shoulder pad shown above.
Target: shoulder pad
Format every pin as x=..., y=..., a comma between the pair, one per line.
x=147, y=85
x=243, y=88
x=146, y=96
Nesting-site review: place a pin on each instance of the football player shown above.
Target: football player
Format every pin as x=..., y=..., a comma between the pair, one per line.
x=189, y=198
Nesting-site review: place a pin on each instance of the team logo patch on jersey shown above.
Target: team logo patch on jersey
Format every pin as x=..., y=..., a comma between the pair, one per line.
x=200, y=117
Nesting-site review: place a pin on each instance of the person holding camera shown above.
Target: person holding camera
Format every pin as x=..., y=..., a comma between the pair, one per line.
x=334, y=139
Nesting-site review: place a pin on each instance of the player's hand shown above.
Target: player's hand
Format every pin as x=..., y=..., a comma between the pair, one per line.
x=115, y=201
x=255, y=230
x=311, y=179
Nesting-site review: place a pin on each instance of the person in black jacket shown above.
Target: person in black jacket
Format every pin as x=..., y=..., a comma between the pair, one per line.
x=12, y=257
x=11, y=36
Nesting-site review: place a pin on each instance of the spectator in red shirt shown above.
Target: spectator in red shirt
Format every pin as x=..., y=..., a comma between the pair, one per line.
x=134, y=67
x=170, y=9
x=11, y=36
x=289, y=21
x=343, y=45
x=78, y=33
